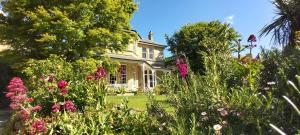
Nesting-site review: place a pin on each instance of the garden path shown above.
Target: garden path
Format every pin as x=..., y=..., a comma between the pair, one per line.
x=4, y=116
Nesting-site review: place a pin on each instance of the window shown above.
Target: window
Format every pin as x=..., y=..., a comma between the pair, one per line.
x=151, y=79
x=123, y=78
x=144, y=52
x=151, y=53
x=112, y=79
x=146, y=78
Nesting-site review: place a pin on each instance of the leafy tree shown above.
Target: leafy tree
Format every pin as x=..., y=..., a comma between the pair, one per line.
x=283, y=28
x=71, y=28
x=192, y=39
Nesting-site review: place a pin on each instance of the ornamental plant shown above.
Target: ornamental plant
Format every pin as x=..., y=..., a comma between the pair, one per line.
x=25, y=112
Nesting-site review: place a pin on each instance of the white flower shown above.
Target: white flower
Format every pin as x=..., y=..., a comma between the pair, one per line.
x=217, y=127
x=220, y=109
x=271, y=83
x=203, y=113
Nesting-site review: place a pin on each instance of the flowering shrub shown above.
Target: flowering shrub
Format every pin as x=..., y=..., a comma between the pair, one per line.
x=182, y=67
x=22, y=105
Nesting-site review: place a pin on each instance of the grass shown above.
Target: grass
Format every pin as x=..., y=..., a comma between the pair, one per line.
x=139, y=102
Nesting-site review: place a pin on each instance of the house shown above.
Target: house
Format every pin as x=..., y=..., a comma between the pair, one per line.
x=141, y=65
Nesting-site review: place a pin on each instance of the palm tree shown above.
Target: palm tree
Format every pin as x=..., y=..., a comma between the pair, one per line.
x=283, y=28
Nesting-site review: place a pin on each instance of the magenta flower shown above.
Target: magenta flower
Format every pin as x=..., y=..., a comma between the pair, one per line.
x=38, y=126
x=69, y=106
x=182, y=67
x=252, y=38
x=62, y=84
x=56, y=107
x=36, y=108
x=100, y=73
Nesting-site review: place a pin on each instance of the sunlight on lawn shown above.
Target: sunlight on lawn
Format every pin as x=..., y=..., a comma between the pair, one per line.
x=139, y=102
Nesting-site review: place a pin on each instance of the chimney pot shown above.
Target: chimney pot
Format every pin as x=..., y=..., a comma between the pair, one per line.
x=150, y=36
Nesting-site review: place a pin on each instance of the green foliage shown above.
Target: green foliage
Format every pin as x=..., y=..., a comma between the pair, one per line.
x=200, y=37
x=69, y=28
x=82, y=91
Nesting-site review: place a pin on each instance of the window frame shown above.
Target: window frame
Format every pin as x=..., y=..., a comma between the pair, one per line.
x=151, y=53
x=112, y=79
x=123, y=76
x=144, y=52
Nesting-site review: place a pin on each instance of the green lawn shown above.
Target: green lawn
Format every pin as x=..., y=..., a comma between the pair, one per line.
x=139, y=102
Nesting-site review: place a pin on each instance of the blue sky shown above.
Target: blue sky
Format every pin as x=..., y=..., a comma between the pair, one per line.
x=167, y=16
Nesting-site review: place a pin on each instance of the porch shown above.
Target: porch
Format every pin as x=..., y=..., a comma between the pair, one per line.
x=136, y=76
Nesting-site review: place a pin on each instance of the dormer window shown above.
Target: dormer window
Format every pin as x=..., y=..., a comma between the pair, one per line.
x=151, y=53
x=144, y=52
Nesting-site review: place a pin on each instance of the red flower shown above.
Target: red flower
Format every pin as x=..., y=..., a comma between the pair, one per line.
x=252, y=38
x=64, y=91
x=56, y=107
x=88, y=77
x=38, y=126
x=9, y=94
x=69, y=106
x=62, y=84
x=36, y=108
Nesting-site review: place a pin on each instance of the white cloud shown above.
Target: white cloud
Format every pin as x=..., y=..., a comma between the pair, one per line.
x=229, y=19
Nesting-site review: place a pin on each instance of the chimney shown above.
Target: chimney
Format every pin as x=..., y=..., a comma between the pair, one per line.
x=150, y=36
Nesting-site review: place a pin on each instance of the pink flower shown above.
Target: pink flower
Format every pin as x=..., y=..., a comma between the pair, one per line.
x=36, y=108
x=16, y=80
x=9, y=94
x=100, y=73
x=16, y=88
x=62, y=84
x=56, y=107
x=19, y=98
x=69, y=106
x=64, y=91
x=14, y=106
x=24, y=114
x=39, y=126
x=29, y=100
